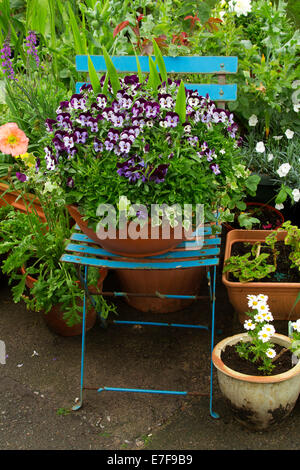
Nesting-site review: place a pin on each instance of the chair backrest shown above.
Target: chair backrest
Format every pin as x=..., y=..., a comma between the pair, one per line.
x=220, y=65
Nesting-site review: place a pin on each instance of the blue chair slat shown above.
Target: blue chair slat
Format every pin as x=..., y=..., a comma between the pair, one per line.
x=180, y=64
x=87, y=250
x=111, y=264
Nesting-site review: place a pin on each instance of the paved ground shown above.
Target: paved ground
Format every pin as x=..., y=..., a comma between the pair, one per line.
x=40, y=382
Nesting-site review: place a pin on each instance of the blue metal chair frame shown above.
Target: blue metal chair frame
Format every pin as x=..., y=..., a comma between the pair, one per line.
x=83, y=252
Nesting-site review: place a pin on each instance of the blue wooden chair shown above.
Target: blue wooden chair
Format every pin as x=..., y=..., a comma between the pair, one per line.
x=82, y=252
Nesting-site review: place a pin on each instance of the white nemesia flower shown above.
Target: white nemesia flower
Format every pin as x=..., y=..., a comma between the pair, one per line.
x=284, y=169
x=270, y=353
x=296, y=325
x=253, y=120
x=240, y=7
x=263, y=336
x=279, y=207
x=249, y=325
x=260, y=147
x=269, y=329
x=289, y=134
x=270, y=157
x=296, y=194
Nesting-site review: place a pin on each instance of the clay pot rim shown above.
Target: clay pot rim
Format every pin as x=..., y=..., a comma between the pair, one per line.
x=260, y=204
x=230, y=240
x=219, y=364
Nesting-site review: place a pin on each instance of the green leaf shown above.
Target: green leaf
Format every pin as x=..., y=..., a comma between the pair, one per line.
x=140, y=74
x=112, y=72
x=180, y=107
x=79, y=47
x=160, y=61
x=93, y=76
x=154, y=80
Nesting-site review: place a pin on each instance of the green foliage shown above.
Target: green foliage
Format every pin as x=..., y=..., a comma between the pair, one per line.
x=93, y=76
x=245, y=268
x=180, y=107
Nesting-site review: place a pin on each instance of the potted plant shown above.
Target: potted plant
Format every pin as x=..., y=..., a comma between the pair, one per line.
x=263, y=261
x=33, y=250
x=255, y=370
x=256, y=216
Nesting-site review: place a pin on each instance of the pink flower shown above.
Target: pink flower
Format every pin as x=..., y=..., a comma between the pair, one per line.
x=13, y=141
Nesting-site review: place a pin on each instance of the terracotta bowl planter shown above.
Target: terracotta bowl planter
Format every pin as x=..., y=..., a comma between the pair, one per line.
x=282, y=295
x=54, y=318
x=259, y=205
x=257, y=402
x=138, y=248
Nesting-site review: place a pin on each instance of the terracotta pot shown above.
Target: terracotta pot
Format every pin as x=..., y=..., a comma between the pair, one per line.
x=10, y=198
x=172, y=281
x=257, y=402
x=126, y=246
x=259, y=205
x=282, y=295
x=54, y=318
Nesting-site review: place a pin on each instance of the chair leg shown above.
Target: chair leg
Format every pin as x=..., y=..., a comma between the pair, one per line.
x=79, y=405
x=213, y=305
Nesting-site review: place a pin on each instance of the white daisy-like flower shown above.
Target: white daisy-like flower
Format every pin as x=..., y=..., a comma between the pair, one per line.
x=296, y=194
x=249, y=325
x=270, y=353
x=268, y=316
x=296, y=325
x=279, y=207
x=253, y=302
x=260, y=147
x=259, y=318
x=269, y=329
x=262, y=298
x=284, y=169
x=289, y=134
x=253, y=120
x=240, y=7
x=263, y=336
x=262, y=307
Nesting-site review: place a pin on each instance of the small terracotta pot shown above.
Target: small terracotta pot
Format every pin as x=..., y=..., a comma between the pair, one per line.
x=54, y=318
x=11, y=198
x=260, y=205
x=257, y=402
x=123, y=245
x=282, y=295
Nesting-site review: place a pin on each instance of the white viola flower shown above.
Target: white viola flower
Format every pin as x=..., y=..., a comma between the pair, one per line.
x=260, y=147
x=296, y=194
x=249, y=325
x=270, y=353
x=296, y=325
x=269, y=329
x=263, y=336
x=240, y=7
x=289, y=134
x=284, y=169
x=253, y=120
x=279, y=207
x=270, y=157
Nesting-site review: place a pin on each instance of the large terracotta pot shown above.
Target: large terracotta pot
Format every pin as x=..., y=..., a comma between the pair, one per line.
x=172, y=281
x=257, y=402
x=282, y=295
x=54, y=318
x=125, y=246
x=11, y=198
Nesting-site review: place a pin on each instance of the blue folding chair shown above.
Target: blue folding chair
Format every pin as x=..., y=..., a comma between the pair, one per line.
x=199, y=251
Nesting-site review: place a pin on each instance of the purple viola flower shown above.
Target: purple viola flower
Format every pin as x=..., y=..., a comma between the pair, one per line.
x=80, y=135
x=78, y=101
x=206, y=117
x=21, y=177
x=70, y=182
x=131, y=80
x=118, y=119
x=113, y=134
x=158, y=174
x=83, y=118
x=151, y=109
x=63, y=107
x=136, y=110
x=49, y=124
x=109, y=145
x=98, y=146
x=58, y=144
x=126, y=101
x=101, y=101
x=165, y=101
x=124, y=146
x=68, y=141
x=37, y=164
x=172, y=119
x=193, y=140
x=215, y=168
x=92, y=123
x=187, y=127
x=146, y=148
x=86, y=87
x=62, y=116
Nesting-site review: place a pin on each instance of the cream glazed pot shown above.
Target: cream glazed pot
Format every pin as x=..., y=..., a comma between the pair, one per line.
x=257, y=402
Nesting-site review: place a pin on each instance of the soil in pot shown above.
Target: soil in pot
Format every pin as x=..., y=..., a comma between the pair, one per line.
x=283, y=273
x=269, y=217
x=232, y=359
